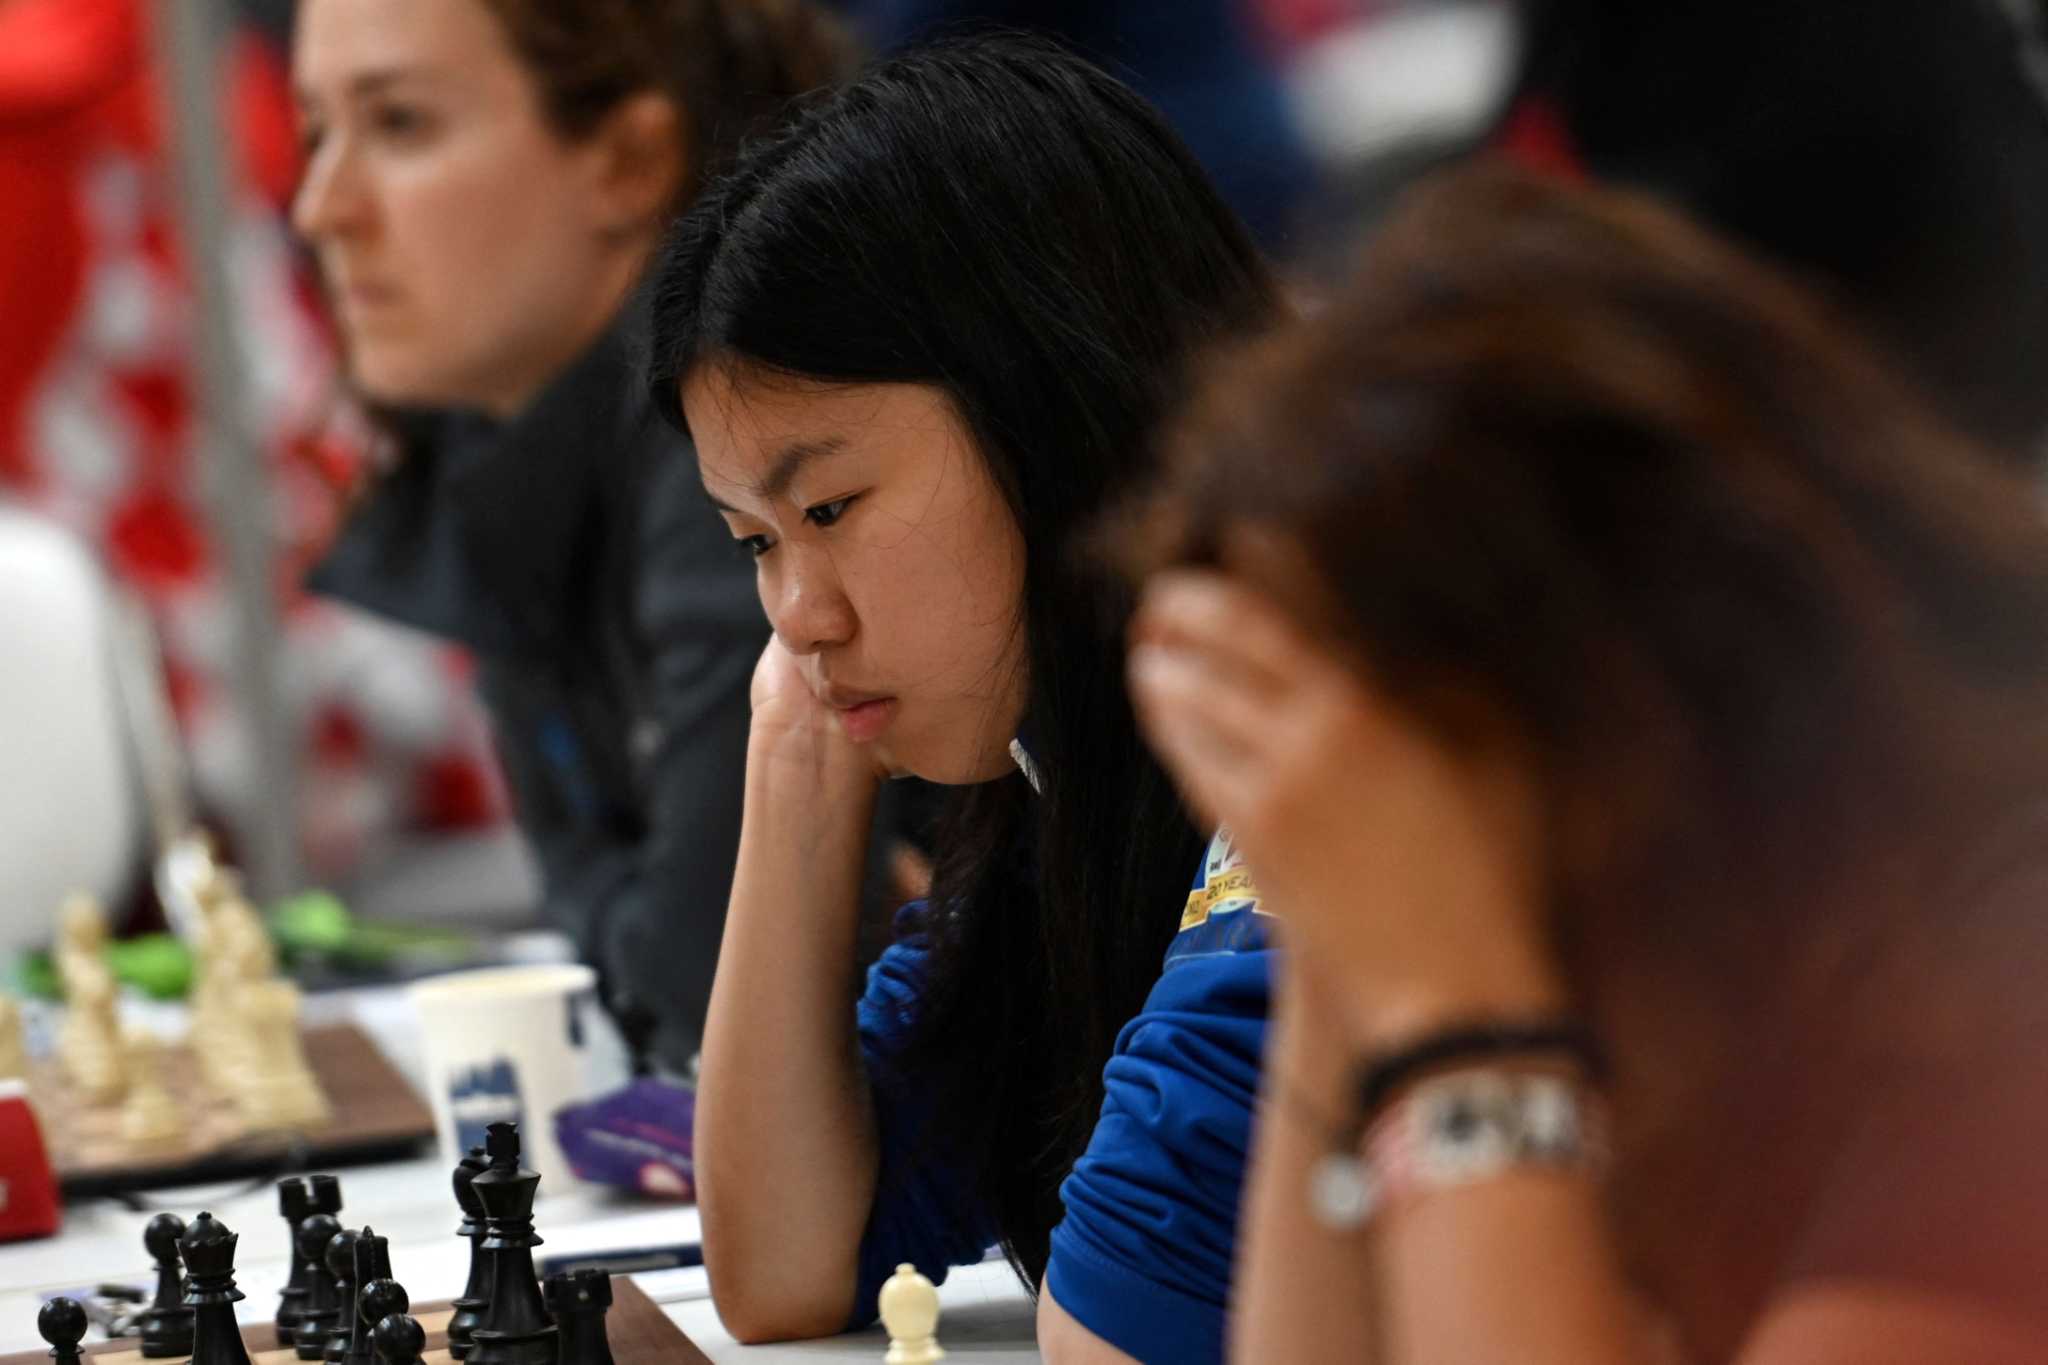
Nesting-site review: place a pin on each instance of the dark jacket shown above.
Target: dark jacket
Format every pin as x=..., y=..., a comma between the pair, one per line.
x=615, y=627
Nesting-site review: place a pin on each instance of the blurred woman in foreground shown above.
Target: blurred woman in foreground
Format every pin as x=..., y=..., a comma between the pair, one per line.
x=1632, y=704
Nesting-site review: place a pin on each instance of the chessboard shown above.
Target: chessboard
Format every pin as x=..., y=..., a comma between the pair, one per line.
x=377, y=1115
x=640, y=1334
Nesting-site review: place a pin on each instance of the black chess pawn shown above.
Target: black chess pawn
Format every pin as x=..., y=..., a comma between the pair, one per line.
x=323, y=1299
x=372, y=1263
x=62, y=1323
x=167, y=1323
x=341, y=1262
x=209, y=1251
x=398, y=1339
x=469, y=1309
x=299, y=1198
x=515, y=1329
x=579, y=1299
x=379, y=1300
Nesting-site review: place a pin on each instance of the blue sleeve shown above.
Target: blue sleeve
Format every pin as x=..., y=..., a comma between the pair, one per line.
x=1143, y=1256
x=924, y=1212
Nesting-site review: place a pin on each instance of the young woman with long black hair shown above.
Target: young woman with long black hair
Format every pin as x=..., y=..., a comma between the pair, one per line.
x=919, y=340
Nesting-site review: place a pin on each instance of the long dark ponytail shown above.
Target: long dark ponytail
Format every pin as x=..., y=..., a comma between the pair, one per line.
x=998, y=219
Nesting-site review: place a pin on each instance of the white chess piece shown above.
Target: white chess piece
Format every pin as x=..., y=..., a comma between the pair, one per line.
x=149, y=1115
x=278, y=1088
x=909, y=1306
x=90, y=1040
x=13, y=1052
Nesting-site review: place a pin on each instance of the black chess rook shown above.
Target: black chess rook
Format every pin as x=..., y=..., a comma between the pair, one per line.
x=323, y=1298
x=469, y=1308
x=209, y=1251
x=61, y=1322
x=167, y=1322
x=579, y=1299
x=515, y=1329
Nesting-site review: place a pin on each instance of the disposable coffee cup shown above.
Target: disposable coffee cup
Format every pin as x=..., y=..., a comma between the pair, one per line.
x=515, y=1044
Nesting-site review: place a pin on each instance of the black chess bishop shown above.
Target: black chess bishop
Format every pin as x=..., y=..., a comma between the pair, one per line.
x=372, y=1267
x=167, y=1322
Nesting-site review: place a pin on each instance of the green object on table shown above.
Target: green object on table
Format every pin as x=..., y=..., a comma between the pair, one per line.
x=158, y=965
x=315, y=924
x=310, y=927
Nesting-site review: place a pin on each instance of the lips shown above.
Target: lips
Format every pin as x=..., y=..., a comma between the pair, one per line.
x=863, y=716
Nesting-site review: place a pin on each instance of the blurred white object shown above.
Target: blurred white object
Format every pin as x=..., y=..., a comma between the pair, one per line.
x=515, y=1044
x=1432, y=73
x=72, y=809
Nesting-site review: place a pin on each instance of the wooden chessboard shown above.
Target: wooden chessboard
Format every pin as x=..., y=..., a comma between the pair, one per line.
x=376, y=1115
x=640, y=1333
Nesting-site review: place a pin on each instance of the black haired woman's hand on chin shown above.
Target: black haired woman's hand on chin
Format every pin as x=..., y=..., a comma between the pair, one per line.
x=1408, y=868
x=797, y=737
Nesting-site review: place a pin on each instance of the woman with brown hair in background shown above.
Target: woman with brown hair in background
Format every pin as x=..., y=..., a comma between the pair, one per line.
x=485, y=182
x=1631, y=702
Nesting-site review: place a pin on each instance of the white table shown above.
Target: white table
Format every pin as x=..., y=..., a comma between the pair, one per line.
x=987, y=1315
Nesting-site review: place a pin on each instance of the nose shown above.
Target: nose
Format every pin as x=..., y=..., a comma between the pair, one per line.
x=330, y=199
x=806, y=604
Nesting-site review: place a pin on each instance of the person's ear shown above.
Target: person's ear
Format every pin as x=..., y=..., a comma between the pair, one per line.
x=639, y=163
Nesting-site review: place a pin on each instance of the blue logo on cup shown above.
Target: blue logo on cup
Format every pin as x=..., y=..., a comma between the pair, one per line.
x=483, y=1095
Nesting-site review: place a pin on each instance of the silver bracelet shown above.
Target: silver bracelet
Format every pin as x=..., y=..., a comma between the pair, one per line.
x=1457, y=1129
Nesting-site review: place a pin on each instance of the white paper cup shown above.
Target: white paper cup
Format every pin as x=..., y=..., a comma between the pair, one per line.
x=515, y=1044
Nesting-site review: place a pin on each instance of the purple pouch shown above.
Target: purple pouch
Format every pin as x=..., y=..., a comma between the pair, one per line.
x=635, y=1138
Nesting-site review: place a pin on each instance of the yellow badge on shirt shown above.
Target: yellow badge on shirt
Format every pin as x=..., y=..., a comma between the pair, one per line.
x=1224, y=886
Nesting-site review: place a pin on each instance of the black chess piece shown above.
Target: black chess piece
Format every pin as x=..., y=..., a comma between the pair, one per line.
x=372, y=1263
x=341, y=1261
x=167, y=1323
x=515, y=1329
x=398, y=1339
x=380, y=1299
x=299, y=1198
x=209, y=1251
x=323, y=1301
x=579, y=1299
x=469, y=1309
x=61, y=1322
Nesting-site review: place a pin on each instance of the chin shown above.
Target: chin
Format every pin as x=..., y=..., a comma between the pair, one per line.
x=395, y=380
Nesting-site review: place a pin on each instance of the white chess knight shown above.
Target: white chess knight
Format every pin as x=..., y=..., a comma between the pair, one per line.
x=909, y=1306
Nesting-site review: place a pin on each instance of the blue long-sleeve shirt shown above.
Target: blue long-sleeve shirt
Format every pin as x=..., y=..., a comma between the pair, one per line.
x=1142, y=1257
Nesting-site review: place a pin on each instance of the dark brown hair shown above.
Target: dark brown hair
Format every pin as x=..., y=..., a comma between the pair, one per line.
x=1772, y=637
x=730, y=66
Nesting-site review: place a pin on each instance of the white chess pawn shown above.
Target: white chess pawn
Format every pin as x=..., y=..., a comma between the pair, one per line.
x=909, y=1306
x=149, y=1115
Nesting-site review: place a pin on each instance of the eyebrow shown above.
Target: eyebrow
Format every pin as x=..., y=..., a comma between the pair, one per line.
x=369, y=83
x=788, y=463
